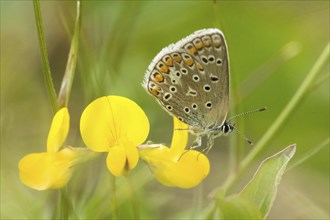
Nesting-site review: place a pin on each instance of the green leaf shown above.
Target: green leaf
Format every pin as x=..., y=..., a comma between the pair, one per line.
x=262, y=189
x=66, y=85
x=239, y=207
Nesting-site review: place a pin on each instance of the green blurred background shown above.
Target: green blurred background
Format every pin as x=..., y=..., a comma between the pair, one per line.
x=272, y=47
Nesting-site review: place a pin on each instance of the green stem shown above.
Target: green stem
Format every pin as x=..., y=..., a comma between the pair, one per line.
x=64, y=94
x=133, y=198
x=64, y=204
x=287, y=111
x=114, y=203
x=292, y=104
x=45, y=61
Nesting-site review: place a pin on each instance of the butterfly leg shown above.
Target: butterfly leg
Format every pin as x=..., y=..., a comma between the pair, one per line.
x=197, y=143
x=210, y=142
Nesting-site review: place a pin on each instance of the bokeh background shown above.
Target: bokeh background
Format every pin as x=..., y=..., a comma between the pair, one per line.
x=272, y=46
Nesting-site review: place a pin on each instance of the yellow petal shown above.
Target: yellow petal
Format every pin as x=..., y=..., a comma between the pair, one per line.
x=59, y=130
x=108, y=120
x=159, y=159
x=187, y=171
x=174, y=166
x=190, y=170
x=179, y=138
x=132, y=156
x=155, y=154
x=42, y=171
x=116, y=160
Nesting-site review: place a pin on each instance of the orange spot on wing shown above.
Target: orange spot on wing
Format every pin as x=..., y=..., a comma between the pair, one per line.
x=177, y=58
x=189, y=61
x=192, y=50
x=168, y=61
x=158, y=77
x=199, y=45
x=207, y=42
x=154, y=91
x=164, y=69
x=199, y=66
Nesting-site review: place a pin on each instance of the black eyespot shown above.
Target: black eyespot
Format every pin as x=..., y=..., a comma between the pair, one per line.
x=208, y=105
x=167, y=96
x=173, y=89
x=207, y=88
x=204, y=59
x=211, y=59
x=169, y=107
x=214, y=79
x=184, y=71
x=191, y=92
x=181, y=119
x=177, y=73
x=196, y=78
x=173, y=81
x=186, y=109
x=186, y=56
x=194, y=106
x=219, y=61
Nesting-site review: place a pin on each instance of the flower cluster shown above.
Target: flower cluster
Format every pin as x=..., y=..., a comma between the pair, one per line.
x=118, y=126
x=52, y=169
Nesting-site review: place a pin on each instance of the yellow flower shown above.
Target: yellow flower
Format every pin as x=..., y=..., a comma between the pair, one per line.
x=115, y=125
x=176, y=166
x=51, y=169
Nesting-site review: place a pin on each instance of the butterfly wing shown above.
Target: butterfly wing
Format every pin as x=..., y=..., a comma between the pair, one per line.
x=190, y=79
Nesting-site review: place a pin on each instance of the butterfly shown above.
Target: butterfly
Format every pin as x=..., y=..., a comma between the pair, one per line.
x=190, y=80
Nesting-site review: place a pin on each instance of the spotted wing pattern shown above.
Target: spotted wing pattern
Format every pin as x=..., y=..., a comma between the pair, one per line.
x=190, y=79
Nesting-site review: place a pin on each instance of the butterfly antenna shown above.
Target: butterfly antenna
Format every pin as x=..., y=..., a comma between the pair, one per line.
x=243, y=136
x=247, y=113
